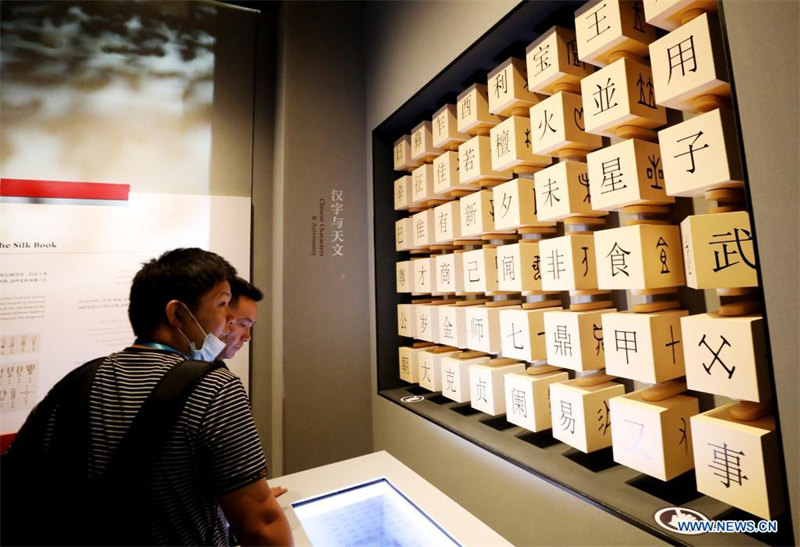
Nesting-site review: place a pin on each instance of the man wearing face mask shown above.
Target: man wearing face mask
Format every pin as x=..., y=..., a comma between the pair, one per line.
x=210, y=467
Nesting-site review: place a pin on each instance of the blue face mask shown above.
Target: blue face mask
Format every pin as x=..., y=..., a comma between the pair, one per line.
x=212, y=346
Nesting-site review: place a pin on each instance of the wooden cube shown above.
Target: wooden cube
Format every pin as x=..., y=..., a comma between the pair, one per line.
x=422, y=227
x=562, y=191
x=581, y=414
x=508, y=88
x=402, y=155
x=522, y=334
x=447, y=222
x=404, y=234
x=668, y=14
x=487, y=390
x=718, y=251
x=422, y=275
x=446, y=178
x=518, y=267
x=426, y=317
x=620, y=94
x=422, y=184
x=515, y=205
x=552, y=61
x=701, y=154
x=738, y=462
x=475, y=162
x=477, y=213
x=603, y=27
x=528, y=399
x=557, y=124
x=647, y=347
x=405, y=276
x=449, y=273
x=643, y=256
x=689, y=62
x=568, y=263
x=575, y=339
x=445, y=129
x=402, y=193
x=627, y=173
x=406, y=320
x=430, y=366
x=511, y=146
x=653, y=437
x=726, y=356
x=472, y=109
x=480, y=270
x=453, y=326
x=422, y=148
x=483, y=328
x=409, y=366
x=455, y=376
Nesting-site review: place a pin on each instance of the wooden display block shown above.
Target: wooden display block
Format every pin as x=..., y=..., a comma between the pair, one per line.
x=404, y=234
x=480, y=270
x=475, y=163
x=449, y=273
x=453, y=326
x=422, y=227
x=647, y=347
x=483, y=328
x=568, y=263
x=430, y=366
x=427, y=317
x=738, y=462
x=402, y=155
x=407, y=320
x=402, y=193
x=604, y=27
x=409, y=368
x=447, y=222
x=455, y=375
x=627, y=173
x=701, y=154
x=557, y=125
x=487, y=389
x=422, y=148
x=574, y=340
x=512, y=147
x=643, y=256
x=477, y=213
x=472, y=109
x=422, y=184
x=528, y=399
x=422, y=270
x=653, y=437
x=445, y=129
x=726, y=356
x=718, y=251
x=446, y=179
x=669, y=14
x=618, y=95
x=518, y=267
x=689, y=62
x=508, y=88
x=515, y=205
x=562, y=191
x=581, y=414
x=552, y=62
x=522, y=334
x=405, y=276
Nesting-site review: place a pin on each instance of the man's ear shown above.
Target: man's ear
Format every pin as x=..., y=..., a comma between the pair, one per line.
x=173, y=309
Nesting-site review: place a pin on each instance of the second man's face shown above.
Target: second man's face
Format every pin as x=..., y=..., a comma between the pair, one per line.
x=244, y=315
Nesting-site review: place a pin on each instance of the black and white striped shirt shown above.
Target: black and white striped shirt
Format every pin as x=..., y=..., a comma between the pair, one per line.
x=212, y=448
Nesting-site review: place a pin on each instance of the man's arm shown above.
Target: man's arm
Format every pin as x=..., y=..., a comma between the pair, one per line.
x=255, y=515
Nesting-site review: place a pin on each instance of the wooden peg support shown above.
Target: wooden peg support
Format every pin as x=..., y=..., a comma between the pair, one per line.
x=594, y=378
x=538, y=370
x=665, y=390
x=746, y=411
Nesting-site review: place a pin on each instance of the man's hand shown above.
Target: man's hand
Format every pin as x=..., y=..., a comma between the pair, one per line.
x=278, y=491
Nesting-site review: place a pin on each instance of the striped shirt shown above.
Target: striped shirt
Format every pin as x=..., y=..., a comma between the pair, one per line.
x=212, y=448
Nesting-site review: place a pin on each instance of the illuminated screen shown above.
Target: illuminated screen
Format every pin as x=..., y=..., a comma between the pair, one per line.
x=374, y=513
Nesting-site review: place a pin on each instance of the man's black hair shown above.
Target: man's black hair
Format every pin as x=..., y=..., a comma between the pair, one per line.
x=242, y=287
x=180, y=274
